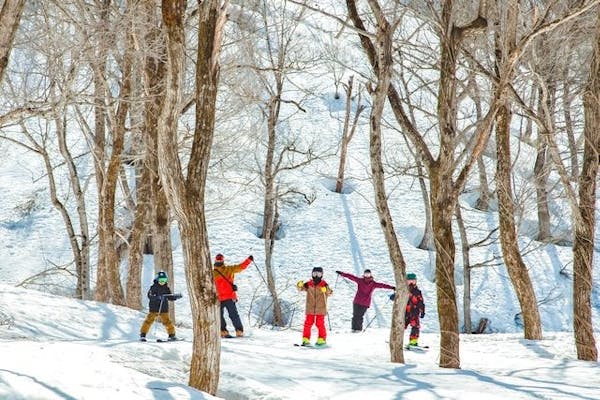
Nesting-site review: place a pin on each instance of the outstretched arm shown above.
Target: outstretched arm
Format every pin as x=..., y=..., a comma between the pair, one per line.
x=379, y=285
x=348, y=276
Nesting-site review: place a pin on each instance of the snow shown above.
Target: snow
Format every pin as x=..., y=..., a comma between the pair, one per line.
x=59, y=348
x=54, y=347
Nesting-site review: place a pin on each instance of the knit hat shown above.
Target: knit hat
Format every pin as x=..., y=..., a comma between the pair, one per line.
x=219, y=258
x=317, y=269
x=161, y=276
x=411, y=277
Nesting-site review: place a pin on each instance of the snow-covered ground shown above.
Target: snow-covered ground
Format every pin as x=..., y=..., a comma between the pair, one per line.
x=56, y=348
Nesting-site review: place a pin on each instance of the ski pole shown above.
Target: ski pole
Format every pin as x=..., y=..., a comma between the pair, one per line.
x=375, y=316
x=260, y=274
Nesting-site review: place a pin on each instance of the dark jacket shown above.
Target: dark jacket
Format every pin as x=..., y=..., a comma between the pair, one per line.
x=365, y=288
x=415, y=307
x=154, y=294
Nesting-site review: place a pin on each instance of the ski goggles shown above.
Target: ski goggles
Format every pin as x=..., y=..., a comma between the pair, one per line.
x=317, y=274
x=162, y=280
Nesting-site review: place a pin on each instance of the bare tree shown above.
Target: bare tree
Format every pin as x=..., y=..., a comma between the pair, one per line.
x=380, y=53
x=585, y=212
x=186, y=193
x=583, y=205
x=348, y=129
x=505, y=49
x=270, y=74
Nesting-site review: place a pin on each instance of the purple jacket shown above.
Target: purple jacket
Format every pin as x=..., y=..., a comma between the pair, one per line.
x=365, y=288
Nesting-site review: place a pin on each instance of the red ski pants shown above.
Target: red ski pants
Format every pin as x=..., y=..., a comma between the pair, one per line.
x=318, y=320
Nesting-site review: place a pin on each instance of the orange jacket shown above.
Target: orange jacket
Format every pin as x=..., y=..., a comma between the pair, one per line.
x=224, y=279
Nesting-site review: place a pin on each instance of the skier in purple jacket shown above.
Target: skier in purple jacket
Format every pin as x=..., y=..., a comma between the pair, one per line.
x=362, y=299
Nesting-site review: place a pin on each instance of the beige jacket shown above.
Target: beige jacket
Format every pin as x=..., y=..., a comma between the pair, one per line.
x=316, y=296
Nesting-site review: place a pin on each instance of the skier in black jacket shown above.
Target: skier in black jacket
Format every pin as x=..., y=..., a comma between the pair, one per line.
x=159, y=295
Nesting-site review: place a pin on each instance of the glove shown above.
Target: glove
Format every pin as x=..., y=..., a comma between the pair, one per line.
x=300, y=284
x=338, y=272
x=251, y=257
x=392, y=296
x=423, y=314
x=324, y=289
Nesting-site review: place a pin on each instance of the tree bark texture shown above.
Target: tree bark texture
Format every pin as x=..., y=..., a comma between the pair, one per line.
x=517, y=270
x=102, y=292
x=505, y=42
x=585, y=220
x=465, y=247
x=10, y=17
x=385, y=34
x=80, y=245
x=186, y=194
x=270, y=215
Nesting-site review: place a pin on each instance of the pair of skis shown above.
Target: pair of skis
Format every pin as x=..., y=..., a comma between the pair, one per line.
x=160, y=340
x=311, y=346
x=412, y=347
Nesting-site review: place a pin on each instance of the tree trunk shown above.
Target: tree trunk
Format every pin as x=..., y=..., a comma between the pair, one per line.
x=385, y=33
x=138, y=238
x=270, y=215
x=483, y=202
x=442, y=206
x=540, y=174
x=102, y=292
x=517, y=270
x=10, y=17
x=541, y=168
x=566, y=99
x=585, y=221
x=81, y=246
x=269, y=241
x=505, y=44
x=347, y=132
x=159, y=213
x=464, y=240
x=427, y=241
x=186, y=194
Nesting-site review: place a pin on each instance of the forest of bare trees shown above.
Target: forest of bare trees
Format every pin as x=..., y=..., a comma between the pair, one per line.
x=164, y=99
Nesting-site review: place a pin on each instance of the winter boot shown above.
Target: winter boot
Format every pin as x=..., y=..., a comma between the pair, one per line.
x=172, y=338
x=142, y=337
x=413, y=342
x=225, y=334
x=305, y=341
x=321, y=342
x=239, y=333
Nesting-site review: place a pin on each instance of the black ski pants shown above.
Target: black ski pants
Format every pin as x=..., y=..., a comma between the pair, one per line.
x=358, y=313
x=233, y=315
